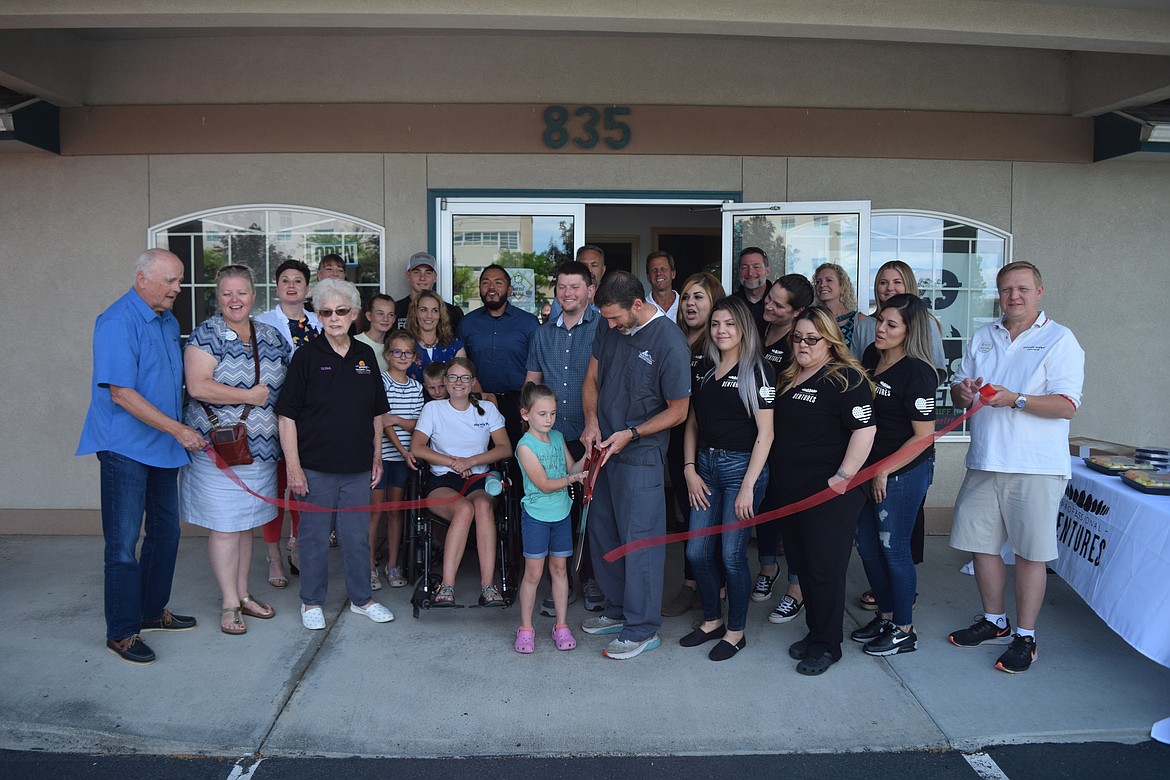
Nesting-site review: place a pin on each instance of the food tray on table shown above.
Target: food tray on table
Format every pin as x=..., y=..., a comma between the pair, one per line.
x=1115, y=465
x=1148, y=482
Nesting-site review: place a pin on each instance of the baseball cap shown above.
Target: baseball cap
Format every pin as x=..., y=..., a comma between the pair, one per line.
x=421, y=258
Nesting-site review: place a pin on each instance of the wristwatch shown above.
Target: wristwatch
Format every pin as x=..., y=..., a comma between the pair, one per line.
x=1021, y=402
x=634, y=433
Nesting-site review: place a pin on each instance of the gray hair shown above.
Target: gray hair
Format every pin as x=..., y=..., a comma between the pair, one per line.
x=336, y=289
x=147, y=260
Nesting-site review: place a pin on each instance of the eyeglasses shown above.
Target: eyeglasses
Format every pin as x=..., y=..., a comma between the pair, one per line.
x=401, y=353
x=341, y=311
x=462, y=379
x=812, y=341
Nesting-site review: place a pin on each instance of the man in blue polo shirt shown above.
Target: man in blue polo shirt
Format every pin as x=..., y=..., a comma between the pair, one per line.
x=558, y=356
x=496, y=337
x=136, y=403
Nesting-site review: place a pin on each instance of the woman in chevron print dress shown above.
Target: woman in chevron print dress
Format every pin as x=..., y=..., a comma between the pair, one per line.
x=220, y=370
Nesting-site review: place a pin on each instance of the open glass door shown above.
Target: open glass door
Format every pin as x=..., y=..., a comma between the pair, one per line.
x=798, y=237
x=528, y=237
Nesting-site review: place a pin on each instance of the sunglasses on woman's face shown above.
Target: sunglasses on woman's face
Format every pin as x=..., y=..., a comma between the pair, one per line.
x=340, y=312
x=812, y=341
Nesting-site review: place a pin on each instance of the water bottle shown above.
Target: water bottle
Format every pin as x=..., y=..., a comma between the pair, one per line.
x=493, y=484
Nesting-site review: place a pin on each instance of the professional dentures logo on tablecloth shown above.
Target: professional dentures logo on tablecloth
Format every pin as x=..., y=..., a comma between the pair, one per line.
x=1077, y=527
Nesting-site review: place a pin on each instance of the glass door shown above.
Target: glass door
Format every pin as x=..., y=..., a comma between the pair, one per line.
x=528, y=237
x=798, y=237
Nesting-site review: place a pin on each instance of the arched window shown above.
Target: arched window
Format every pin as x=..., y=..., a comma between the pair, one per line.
x=262, y=237
x=955, y=261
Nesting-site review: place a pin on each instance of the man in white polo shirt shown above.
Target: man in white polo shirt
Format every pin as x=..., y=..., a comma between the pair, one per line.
x=1018, y=461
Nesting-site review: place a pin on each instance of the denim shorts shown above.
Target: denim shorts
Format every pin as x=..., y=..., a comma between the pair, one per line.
x=544, y=539
x=394, y=474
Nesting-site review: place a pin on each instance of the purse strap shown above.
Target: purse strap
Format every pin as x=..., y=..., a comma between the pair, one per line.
x=211, y=416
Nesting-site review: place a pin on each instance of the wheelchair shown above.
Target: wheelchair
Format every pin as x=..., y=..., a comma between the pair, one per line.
x=424, y=558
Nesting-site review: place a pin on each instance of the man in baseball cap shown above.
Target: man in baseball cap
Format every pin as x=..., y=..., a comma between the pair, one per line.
x=421, y=275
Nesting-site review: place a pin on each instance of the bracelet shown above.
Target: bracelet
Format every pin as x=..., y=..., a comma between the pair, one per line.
x=843, y=475
x=688, y=463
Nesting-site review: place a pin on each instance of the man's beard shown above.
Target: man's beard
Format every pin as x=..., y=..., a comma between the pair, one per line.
x=494, y=305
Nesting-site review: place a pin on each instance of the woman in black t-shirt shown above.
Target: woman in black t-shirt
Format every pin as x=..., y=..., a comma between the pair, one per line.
x=728, y=435
x=700, y=292
x=899, y=361
x=824, y=431
x=787, y=297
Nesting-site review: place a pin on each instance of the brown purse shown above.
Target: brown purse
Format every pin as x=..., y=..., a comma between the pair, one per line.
x=231, y=441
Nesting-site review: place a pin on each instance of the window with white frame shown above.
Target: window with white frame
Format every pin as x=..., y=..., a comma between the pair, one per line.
x=955, y=261
x=263, y=237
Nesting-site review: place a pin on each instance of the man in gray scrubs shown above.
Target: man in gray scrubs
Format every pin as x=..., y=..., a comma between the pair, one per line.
x=636, y=389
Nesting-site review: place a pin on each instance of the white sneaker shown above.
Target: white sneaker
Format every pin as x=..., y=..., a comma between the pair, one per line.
x=312, y=618
x=374, y=611
x=375, y=581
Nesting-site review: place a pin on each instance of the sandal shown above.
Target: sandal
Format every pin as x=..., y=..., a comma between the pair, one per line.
x=868, y=601
x=279, y=581
x=258, y=609
x=489, y=596
x=563, y=637
x=236, y=626
x=525, y=640
x=444, y=597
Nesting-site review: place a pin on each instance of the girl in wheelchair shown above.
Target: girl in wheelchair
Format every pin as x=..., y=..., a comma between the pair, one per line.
x=544, y=522
x=459, y=437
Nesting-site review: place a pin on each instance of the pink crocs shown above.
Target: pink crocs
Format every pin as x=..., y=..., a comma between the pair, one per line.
x=563, y=637
x=525, y=640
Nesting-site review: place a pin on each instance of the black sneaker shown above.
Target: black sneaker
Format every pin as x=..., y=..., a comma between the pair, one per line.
x=1019, y=655
x=132, y=650
x=169, y=622
x=763, y=589
x=871, y=630
x=786, y=610
x=892, y=642
x=982, y=631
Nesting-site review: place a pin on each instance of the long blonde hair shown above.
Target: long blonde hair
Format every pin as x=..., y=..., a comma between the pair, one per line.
x=844, y=369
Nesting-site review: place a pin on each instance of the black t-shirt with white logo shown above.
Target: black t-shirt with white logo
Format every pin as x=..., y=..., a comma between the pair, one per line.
x=903, y=393
x=724, y=422
x=779, y=354
x=814, y=421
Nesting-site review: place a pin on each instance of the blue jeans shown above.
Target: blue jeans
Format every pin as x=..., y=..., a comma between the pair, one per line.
x=883, y=541
x=137, y=589
x=723, y=471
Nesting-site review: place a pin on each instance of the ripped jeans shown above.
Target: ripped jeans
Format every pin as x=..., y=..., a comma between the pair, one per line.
x=883, y=541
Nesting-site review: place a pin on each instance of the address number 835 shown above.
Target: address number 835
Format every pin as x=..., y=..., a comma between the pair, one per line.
x=585, y=126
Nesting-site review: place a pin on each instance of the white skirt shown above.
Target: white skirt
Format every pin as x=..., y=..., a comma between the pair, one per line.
x=209, y=499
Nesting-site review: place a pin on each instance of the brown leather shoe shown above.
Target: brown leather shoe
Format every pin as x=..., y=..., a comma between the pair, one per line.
x=131, y=650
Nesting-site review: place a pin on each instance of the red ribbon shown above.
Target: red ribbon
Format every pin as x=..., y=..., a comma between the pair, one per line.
x=304, y=506
x=907, y=453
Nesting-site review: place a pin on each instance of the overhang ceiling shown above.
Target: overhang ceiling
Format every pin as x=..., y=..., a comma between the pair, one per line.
x=1116, y=53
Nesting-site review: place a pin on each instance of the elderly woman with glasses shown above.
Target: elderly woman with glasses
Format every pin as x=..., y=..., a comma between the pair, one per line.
x=233, y=368
x=459, y=436
x=330, y=413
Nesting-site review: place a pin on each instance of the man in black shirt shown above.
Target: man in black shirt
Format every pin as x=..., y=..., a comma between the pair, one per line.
x=421, y=276
x=753, y=282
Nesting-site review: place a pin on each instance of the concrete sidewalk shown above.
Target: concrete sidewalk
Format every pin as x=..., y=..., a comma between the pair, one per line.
x=449, y=683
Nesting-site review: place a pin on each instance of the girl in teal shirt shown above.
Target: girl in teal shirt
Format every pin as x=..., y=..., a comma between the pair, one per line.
x=544, y=519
